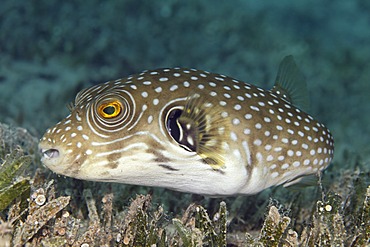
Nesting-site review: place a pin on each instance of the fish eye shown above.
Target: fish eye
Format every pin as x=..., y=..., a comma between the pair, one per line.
x=110, y=109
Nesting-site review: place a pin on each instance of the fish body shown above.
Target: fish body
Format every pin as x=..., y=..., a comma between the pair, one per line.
x=188, y=130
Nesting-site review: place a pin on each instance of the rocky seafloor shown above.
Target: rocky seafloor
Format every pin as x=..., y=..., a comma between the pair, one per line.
x=50, y=50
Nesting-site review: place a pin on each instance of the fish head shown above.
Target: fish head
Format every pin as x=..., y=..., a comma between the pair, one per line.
x=131, y=131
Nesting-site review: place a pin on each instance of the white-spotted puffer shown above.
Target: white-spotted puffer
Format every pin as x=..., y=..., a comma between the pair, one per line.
x=192, y=131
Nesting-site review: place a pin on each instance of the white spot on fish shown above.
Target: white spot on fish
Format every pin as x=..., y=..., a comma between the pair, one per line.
x=212, y=84
x=150, y=119
x=270, y=158
x=228, y=96
x=285, y=166
x=174, y=87
x=233, y=136
x=254, y=108
x=248, y=116
x=236, y=121
x=223, y=103
x=247, y=131
x=257, y=142
x=268, y=147
x=296, y=163
x=237, y=107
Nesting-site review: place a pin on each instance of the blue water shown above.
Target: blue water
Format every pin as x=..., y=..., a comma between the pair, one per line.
x=52, y=49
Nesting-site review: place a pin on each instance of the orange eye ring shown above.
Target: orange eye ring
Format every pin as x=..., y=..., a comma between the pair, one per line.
x=110, y=109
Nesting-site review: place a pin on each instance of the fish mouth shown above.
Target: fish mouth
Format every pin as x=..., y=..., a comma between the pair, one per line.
x=54, y=159
x=51, y=156
x=51, y=153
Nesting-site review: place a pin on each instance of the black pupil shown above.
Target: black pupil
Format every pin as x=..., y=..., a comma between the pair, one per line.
x=109, y=110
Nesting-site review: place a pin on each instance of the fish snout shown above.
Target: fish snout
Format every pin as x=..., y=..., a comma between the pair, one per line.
x=51, y=153
x=52, y=156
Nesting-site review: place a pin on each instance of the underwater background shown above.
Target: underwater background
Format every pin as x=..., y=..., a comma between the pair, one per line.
x=50, y=50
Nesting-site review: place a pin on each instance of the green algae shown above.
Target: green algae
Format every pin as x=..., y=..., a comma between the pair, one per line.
x=17, y=152
x=11, y=185
x=199, y=229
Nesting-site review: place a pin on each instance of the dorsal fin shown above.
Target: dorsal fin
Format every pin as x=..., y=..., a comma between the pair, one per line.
x=290, y=83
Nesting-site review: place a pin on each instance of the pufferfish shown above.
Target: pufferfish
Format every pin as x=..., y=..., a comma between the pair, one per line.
x=192, y=131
